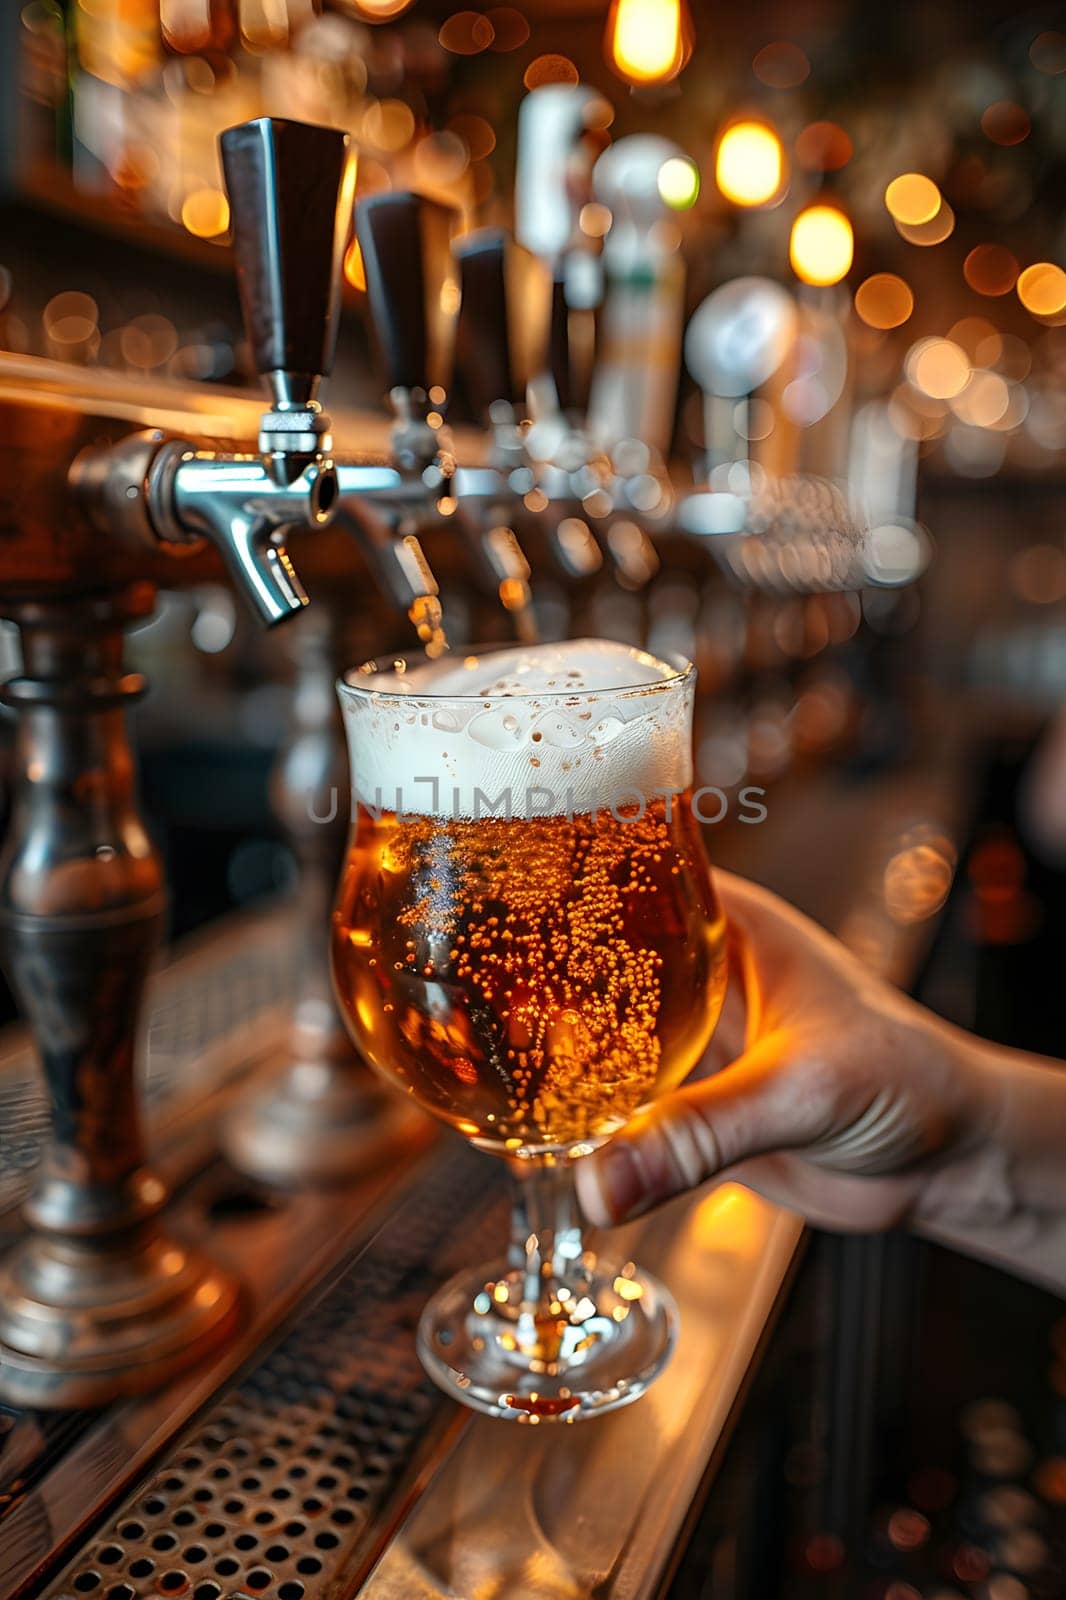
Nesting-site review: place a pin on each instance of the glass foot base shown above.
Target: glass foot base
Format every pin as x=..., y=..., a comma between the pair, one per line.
x=576, y=1352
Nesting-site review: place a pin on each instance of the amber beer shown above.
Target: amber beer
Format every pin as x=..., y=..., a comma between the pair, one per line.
x=532, y=979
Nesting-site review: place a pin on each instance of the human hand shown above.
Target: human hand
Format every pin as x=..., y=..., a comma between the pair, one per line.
x=846, y=1102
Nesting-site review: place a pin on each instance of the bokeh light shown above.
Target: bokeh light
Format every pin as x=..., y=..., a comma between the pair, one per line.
x=205, y=213
x=912, y=199
x=380, y=10
x=148, y=342
x=466, y=33
x=387, y=125
x=71, y=306
x=510, y=28
x=1042, y=289
x=1048, y=52
x=595, y=219
x=1008, y=355
x=821, y=245
x=984, y=402
x=990, y=269
x=938, y=368
x=679, y=183
x=884, y=301
x=935, y=231
x=913, y=415
x=549, y=69
x=975, y=334
x=646, y=40
x=70, y=321
x=917, y=881
x=476, y=133
x=440, y=159
x=1006, y=123
x=749, y=163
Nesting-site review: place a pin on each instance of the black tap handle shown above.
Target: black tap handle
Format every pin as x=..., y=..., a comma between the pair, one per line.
x=505, y=301
x=290, y=187
x=410, y=284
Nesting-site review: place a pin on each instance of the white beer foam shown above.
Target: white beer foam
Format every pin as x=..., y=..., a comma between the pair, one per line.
x=537, y=730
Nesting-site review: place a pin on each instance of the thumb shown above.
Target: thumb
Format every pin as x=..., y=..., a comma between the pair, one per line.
x=754, y=1107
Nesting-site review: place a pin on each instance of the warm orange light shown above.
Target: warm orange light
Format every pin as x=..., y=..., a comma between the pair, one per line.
x=821, y=246
x=938, y=368
x=387, y=125
x=550, y=69
x=884, y=301
x=440, y=159
x=205, y=213
x=510, y=27
x=1042, y=289
x=935, y=231
x=730, y=1217
x=917, y=880
x=466, y=33
x=984, y=402
x=976, y=334
x=749, y=163
x=476, y=133
x=990, y=269
x=912, y=199
x=595, y=220
x=263, y=26
x=1005, y=122
x=354, y=270
x=648, y=40
x=381, y=10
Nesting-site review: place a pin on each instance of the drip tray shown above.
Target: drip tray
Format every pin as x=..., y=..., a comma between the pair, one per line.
x=298, y=1471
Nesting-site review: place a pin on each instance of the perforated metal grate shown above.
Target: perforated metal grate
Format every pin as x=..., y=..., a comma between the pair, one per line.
x=283, y=1485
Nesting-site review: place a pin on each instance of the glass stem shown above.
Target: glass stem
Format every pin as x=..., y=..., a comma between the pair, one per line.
x=546, y=1244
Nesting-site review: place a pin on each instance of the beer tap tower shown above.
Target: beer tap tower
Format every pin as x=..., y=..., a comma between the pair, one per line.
x=501, y=341
x=417, y=313
x=100, y=1299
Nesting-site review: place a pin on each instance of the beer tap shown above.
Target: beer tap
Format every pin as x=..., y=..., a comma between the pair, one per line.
x=739, y=348
x=769, y=524
x=414, y=299
x=405, y=243
x=638, y=358
x=633, y=392
x=561, y=130
x=291, y=188
x=602, y=461
x=501, y=342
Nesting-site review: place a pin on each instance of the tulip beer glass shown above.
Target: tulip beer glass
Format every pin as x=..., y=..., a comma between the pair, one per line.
x=526, y=939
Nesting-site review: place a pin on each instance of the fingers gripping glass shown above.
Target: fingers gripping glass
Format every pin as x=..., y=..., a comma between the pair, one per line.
x=526, y=939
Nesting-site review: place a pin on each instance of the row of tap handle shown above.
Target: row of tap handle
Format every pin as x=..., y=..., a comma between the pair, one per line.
x=290, y=189
x=504, y=312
